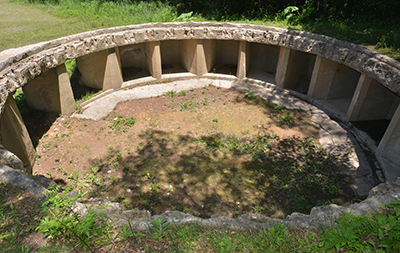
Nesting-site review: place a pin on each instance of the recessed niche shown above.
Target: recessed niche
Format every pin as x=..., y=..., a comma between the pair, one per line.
x=171, y=57
x=134, y=61
x=263, y=62
x=227, y=57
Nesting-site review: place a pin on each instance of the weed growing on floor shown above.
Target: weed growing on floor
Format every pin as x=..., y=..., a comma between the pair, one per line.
x=119, y=122
x=171, y=94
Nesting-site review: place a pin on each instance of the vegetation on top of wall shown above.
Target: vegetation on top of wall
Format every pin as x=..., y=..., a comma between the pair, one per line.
x=373, y=24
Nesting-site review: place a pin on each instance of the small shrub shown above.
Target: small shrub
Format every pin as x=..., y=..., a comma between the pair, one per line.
x=61, y=220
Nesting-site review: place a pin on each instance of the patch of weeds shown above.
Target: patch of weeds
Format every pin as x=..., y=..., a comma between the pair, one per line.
x=118, y=199
x=370, y=233
x=257, y=209
x=120, y=121
x=154, y=187
x=285, y=120
x=171, y=94
x=182, y=93
x=147, y=175
x=183, y=106
x=182, y=208
x=61, y=220
x=249, y=95
x=282, y=115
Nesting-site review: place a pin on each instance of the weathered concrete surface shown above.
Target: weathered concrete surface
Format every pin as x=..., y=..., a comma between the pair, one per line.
x=389, y=147
x=293, y=67
x=11, y=160
x=371, y=101
x=154, y=59
x=331, y=80
x=101, y=70
x=12, y=177
x=102, y=107
x=14, y=136
x=51, y=91
x=29, y=62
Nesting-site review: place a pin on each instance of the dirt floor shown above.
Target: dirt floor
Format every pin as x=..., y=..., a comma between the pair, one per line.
x=206, y=151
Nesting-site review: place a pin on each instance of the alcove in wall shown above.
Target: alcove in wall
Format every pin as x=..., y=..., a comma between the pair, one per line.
x=263, y=62
x=226, y=57
x=134, y=61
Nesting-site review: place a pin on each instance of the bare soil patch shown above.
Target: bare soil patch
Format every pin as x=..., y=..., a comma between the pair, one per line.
x=206, y=151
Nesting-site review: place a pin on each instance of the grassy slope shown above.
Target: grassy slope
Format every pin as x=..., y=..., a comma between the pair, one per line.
x=22, y=24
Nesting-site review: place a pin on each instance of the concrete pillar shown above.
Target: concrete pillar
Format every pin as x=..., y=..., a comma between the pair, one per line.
x=101, y=70
x=281, y=70
x=371, y=101
x=293, y=67
x=331, y=80
x=389, y=146
x=210, y=52
x=194, y=57
x=51, y=91
x=188, y=55
x=154, y=59
x=201, y=60
x=243, y=59
x=14, y=135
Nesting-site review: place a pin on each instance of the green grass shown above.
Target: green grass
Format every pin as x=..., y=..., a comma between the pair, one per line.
x=20, y=25
x=73, y=16
x=372, y=233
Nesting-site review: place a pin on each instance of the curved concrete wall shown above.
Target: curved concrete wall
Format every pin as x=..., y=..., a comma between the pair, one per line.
x=352, y=82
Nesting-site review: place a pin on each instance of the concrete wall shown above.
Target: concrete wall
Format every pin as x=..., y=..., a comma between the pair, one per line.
x=330, y=70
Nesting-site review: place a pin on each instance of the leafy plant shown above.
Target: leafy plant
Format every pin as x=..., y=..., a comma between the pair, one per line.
x=171, y=93
x=61, y=220
x=95, y=170
x=290, y=14
x=159, y=227
x=184, y=17
x=257, y=209
x=121, y=121
x=249, y=95
x=371, y=233
x=182, y=93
